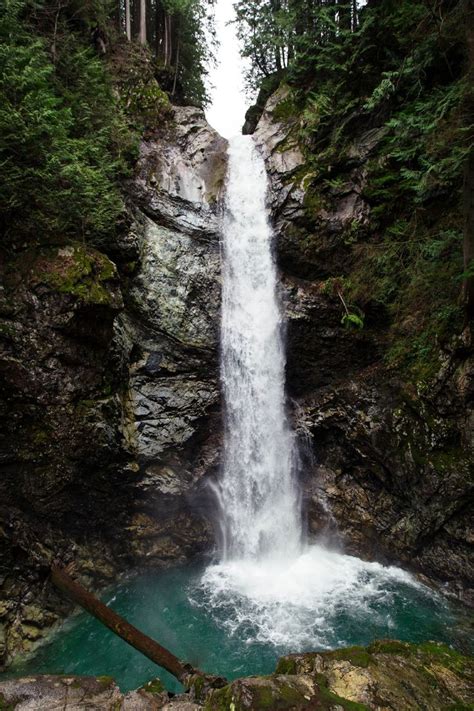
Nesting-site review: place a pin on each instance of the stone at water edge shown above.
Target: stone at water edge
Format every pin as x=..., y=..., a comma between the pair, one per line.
x=385, y=675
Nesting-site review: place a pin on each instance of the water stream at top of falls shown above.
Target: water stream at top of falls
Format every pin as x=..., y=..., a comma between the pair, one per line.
x=257, y=493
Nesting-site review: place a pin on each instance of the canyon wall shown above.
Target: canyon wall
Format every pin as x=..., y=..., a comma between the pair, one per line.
x=109, y=394
x=387, y=460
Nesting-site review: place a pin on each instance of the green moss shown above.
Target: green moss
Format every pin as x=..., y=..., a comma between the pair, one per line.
x=105, y=680
x=7, y=705
x=41, y=436
x=290, y=695
x=430, y=652
x=265, y=698
x=286, y=109
x=155, y=686
x=7, y=330
x=286, y=665
x=390, y=646
x=450, y=459
x=314, y=201
x=444, y=655
x=221, y=700
x=358, y=656
x=77, y=270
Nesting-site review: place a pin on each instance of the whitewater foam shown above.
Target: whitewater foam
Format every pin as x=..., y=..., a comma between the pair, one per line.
x=296, y=604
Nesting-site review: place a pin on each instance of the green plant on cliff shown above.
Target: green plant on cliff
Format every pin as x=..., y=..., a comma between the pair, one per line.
x=63, y=144
x=399, y=69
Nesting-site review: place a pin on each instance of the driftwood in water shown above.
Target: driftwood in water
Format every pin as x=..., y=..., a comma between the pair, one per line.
x=144, y=644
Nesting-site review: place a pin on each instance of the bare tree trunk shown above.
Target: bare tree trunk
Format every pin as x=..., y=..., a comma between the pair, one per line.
x=117, y=14
x=468, y=248
x=135, y=18
x=185, y=673
x=159, y=31
x=169, y=40
x=150, y=27
x=176, y=69
x=355, y=17
x=128, y=22
x=142, y=32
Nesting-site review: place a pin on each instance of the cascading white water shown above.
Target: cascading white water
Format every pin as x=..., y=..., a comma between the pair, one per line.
x=257, y=493
x=269, y=585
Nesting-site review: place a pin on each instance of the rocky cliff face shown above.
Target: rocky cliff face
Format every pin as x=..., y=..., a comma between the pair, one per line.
x=388, y=462
x=109, y=396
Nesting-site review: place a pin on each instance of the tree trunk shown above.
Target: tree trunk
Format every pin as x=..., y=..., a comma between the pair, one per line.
x=167, y=40
x=469, y=236
x=117, y=15
x=142, y=32
x=128, y=21
x=150, y=25
x=176, y=69
x=130, y=634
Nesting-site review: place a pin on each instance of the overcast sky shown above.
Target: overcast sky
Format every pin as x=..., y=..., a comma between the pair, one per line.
x=229, y=104
x=227, y=111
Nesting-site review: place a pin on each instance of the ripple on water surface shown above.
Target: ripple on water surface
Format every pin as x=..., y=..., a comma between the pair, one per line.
x=238, y=618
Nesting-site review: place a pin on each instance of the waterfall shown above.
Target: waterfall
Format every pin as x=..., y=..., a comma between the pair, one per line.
x=257, y=492
x=268, y=585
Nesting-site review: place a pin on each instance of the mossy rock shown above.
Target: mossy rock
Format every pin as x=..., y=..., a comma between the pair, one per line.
x=358, y=656
x=155, y=686
x=388, y=673
x=105, y=680
x=77, y=270
x=278, y=692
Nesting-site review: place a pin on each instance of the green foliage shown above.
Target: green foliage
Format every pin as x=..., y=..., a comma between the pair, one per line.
x=401, y=70
x=352, y=320
x=195, y=39
x=63, y=143
x=133, y=70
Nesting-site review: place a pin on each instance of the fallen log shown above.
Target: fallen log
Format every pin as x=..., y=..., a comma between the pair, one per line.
x=185, y=673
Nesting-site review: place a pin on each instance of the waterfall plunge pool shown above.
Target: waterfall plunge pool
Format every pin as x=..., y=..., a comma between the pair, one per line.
x=236, y=619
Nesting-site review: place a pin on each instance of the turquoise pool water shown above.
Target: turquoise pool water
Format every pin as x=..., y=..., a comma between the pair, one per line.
x=223, y=632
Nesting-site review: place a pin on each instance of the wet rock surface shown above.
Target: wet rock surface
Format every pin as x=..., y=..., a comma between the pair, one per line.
x=108, y=394
x=389, y=465
x=385, y=675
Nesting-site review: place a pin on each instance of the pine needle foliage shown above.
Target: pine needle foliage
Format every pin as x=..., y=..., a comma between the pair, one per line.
x=64, y=143
x=399, y=68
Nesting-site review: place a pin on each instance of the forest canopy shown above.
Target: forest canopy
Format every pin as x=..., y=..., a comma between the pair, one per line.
x=75, y=96
x=405, y=70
